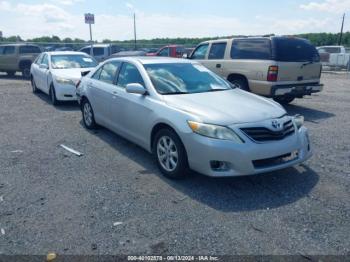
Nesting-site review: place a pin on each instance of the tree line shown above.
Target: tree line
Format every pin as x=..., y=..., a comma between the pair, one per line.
x=317, y=39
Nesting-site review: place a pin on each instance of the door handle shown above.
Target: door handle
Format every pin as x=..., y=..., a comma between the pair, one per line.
x=218, y=65
x=115, y=93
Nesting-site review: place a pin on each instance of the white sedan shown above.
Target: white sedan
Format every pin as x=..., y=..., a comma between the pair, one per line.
x=57, y=73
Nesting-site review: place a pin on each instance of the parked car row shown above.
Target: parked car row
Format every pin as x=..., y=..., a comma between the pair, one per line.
x=187, y=116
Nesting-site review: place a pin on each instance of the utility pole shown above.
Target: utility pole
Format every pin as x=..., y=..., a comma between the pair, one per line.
x=341, y=31
x=134, y=31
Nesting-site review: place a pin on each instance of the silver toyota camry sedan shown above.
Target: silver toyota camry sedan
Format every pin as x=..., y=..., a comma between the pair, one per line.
x=190, y=118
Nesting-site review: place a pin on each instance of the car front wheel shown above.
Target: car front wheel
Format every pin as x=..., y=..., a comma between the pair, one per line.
x=88, y=115
x=170, y=154
x=53, y=97
x=34, y=88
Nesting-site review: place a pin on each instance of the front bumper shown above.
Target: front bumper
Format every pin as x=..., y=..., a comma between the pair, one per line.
x=296, y=90
x=65, y=92
x=241, y=158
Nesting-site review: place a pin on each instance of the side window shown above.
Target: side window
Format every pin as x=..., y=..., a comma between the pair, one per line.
x=164, y=52
x=109, y=72
x=98, y=51
x=45, y=60
x=200, y=52
x=129, y=74
x=9, y=50
x=29, y=49
x=251, y=49
x=180, y=51
x=38, y=59
x=2, y=49
x=217, y=51
x=96, y=75
x=86, y=50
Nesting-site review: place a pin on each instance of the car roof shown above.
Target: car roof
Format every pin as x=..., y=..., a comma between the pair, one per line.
x=97, y=45
x=65, y=53
x=152, y=60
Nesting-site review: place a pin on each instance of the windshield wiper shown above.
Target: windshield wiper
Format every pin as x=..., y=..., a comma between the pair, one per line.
x=307, y=63
x=175, y=93
x=216, y=90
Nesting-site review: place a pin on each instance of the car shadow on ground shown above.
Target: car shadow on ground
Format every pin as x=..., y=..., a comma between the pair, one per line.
x=311, y=115
x=62, y=106
x=271, y=190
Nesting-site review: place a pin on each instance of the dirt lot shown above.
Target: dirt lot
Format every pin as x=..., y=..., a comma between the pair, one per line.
x=51, y=200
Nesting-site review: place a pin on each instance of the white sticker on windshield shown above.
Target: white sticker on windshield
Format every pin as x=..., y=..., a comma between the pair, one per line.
x=87, y=59
x=201, y=68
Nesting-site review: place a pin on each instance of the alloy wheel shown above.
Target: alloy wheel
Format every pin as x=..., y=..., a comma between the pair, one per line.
x=87, y=114
x=167, y=153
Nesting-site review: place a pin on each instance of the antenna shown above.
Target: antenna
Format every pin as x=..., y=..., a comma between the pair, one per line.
x=341, y=31
x=134, y=31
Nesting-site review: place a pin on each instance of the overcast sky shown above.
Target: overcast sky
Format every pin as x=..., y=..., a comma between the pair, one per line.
x=170, y=18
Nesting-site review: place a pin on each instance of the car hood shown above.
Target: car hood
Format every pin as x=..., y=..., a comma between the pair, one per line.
x=72, y=73
x=226, y=107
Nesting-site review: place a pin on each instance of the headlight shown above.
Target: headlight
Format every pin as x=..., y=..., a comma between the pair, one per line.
x=214, y=131
x=64, y=81
x=299, y=121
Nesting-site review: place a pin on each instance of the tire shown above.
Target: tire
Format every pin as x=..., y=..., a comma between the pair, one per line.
x=34, y=88
x=11, y=73
x=26, y=72
x=284, y=100
x=88, y=115
x=52, y=94
x=170, y=154
x=240, y=83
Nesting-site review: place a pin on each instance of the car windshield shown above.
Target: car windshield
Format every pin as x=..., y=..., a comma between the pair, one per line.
x=184, y=78
x=72, y=61
x=295, y=50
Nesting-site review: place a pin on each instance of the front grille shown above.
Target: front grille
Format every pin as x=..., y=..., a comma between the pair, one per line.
x=263, y=134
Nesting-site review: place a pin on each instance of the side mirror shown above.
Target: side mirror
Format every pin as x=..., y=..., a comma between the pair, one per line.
x=84, y=73
x=185, y=56
x=136, y=88
x=44, y=66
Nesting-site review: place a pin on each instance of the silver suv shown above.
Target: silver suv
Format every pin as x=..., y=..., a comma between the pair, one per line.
x=279, y=67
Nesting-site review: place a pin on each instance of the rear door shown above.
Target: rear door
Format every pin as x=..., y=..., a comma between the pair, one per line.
x=298, y=61
x=216, y=56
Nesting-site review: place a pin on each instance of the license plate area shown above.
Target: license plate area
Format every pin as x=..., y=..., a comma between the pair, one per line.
x=275, y=161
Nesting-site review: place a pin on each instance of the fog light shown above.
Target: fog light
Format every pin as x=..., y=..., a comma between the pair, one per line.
x=219, y=165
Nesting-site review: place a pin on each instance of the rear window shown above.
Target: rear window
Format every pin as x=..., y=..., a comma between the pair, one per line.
x=29, y=50
x=331, y=50
x=294, y=50
x=251, y=49
x=98, y=51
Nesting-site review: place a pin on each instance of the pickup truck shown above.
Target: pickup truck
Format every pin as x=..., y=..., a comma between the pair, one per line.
x=170, y=51
x=334, y=56
x=18, y=58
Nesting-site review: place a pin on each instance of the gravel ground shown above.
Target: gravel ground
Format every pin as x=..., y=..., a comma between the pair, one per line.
x=51, y=200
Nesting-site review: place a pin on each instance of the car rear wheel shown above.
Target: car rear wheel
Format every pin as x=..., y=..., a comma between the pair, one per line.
x=170, y=154
x=53, y=98
x=88, y=115
x=240, y=83
x=11, y=73
x=284, y=100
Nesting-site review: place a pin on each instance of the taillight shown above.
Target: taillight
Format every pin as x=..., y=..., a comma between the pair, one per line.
x=77, y=84
x=272, y=74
